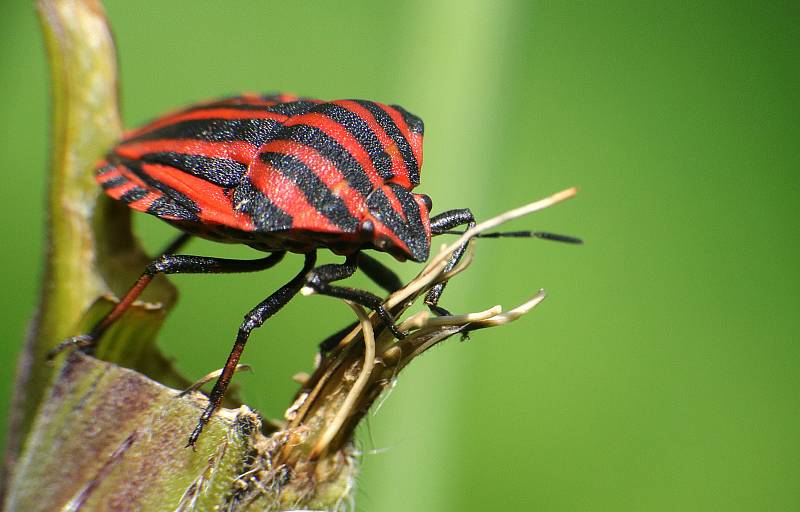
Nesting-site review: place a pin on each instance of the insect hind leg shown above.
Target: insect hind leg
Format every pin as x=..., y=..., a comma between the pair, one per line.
x=88, y=340
x=167, y=263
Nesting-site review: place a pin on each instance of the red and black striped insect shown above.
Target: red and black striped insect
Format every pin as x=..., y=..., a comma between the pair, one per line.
x=281, y=174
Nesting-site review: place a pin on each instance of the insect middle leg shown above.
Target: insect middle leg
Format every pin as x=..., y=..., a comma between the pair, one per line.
x=439, y=225
x=320, y=278
x=381, y=275
x=166, y=264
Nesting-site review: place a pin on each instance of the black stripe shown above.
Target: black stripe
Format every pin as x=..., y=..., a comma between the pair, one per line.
x=134, y=194
x=391, y=129
x=327, y=146
x=160, y=207
x=135, y=167
x=328, y=204
x=288, y=108
x=411, y=231
x=293, y=108
x=163, y=207
x=252, y=131
x=114, y=182
x=408, y=204
x=265, y=214
x=104, y=169
x=362, y=133
x=224, y=172
x=414, y=123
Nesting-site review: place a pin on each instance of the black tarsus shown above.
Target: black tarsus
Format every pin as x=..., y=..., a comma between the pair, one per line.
x=319, y=279
x=87, y=341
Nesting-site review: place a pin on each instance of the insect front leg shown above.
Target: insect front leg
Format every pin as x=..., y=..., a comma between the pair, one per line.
x=320, y=278
x=440, y=224
x=255, y=318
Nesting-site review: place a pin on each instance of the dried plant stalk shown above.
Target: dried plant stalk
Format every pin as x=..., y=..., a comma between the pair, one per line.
x=310, y=462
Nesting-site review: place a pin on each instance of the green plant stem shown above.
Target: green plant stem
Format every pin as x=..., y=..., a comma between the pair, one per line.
x=89, y=249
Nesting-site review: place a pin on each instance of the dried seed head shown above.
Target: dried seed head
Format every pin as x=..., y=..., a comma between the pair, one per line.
x=366, y=361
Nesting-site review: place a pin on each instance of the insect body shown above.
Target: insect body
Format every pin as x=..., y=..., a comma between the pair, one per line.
x=281, y=174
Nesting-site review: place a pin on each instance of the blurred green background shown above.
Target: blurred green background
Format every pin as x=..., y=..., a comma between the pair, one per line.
x=662, y=371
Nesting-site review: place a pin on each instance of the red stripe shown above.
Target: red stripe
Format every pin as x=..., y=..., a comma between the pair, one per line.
x=288, y=197
x=414, y=139
x=133, y=181
x=340, y=134
x=325, y=170
x=240, y=151
x=119, y=191
x=215, y=206
x=144, y=203
x=123, y=171
x=108, y=175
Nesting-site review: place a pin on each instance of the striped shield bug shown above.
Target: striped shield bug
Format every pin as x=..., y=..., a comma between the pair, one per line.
x=282, y=174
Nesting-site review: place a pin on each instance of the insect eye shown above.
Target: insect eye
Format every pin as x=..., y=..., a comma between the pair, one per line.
x=427, y=200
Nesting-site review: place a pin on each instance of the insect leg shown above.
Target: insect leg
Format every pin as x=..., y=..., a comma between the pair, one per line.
x=439, y=225
x=166, y=264
x=176, y=244
x=257, y=316
x=320, y=278
x=383, y=276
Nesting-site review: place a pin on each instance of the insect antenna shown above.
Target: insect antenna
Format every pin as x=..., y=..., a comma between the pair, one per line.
x=544, y=235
